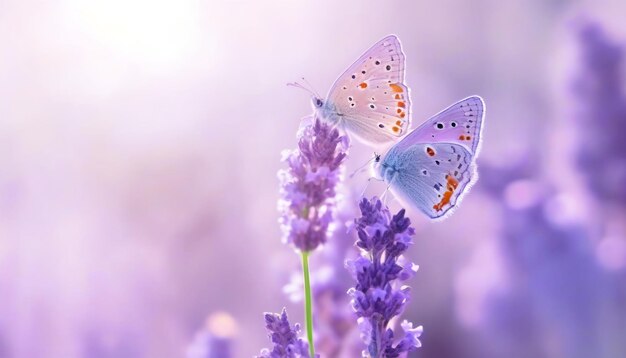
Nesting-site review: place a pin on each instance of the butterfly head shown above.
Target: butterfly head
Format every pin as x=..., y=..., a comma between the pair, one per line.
x=317, y=102
x=376, y=162
x=324, y=110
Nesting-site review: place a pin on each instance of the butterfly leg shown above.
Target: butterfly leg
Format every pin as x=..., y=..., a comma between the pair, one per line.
x=361, y=169
x=383, y=196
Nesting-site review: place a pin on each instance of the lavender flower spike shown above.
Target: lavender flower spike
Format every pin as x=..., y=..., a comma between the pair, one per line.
x=308, y=186
x=377, y=297
x=285, y=338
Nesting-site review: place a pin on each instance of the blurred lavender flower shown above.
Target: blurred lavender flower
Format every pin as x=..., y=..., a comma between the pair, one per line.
x=336, y=329
x=206, y=345
x=285, y=338
x=542, y=288
x=308, y=186
x=376, y=298
x=601, y=116
x=215, y=340
x=542, y=255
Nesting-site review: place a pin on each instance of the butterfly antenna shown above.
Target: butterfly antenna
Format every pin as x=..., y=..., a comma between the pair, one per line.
x=298, y=85
x=369, y=180
x=311, y=87
x=360, y=169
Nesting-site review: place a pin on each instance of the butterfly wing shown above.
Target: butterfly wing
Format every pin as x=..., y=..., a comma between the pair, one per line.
x=432, y=177
x=370, y=97
x=461, y=123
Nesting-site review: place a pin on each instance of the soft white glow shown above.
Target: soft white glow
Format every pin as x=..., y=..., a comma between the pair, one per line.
x=156, y=32
x=222, y=325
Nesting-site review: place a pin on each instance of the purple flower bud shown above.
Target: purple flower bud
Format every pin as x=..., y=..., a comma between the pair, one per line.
x=377, y=297
x=308, y=185
x=285, y=338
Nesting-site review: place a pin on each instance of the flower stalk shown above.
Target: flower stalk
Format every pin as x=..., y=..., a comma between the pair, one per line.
x=308, y=309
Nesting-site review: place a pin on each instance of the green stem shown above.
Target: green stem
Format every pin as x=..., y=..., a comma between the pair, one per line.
x=308, y=312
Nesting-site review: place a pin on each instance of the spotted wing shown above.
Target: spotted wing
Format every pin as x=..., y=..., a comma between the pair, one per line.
x=432, y=177
x=371, y=97
x=461, y=123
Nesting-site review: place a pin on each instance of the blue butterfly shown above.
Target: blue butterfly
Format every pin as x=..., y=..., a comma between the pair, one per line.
x=435, y=165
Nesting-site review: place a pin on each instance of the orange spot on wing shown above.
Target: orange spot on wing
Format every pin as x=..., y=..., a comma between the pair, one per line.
x=398, y=96
x=430, y=151
x=452, y=183
x=363, y=85
x=395, y=129
x=462, y=137
x=399, y=110
x=401, y=104
x=445, y=200
x=451, y=186
x=402, y=115
x=399, y=123
x=395, y=87
x=467, y=138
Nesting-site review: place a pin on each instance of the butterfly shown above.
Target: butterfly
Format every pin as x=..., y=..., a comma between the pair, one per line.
x=432, y=167
x=370, y=100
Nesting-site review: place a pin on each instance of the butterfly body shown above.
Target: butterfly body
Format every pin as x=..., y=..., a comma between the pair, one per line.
x=326, y=111
x=370, y=100
x=435, y=165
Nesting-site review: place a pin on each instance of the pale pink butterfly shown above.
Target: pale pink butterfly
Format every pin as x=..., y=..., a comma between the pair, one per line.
x=434, y=166
x=370, y=99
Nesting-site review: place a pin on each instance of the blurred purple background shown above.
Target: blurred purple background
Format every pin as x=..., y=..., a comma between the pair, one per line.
x=140, y=140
